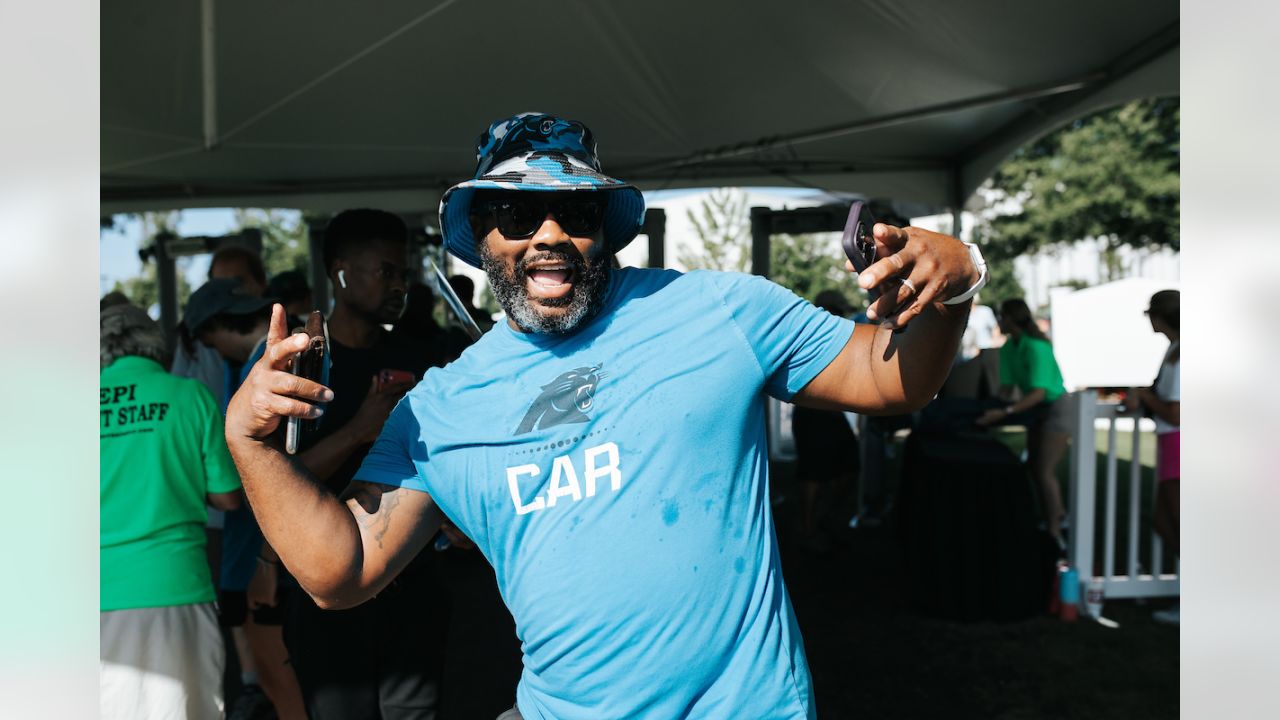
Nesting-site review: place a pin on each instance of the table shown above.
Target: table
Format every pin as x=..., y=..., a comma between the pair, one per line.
x=967, y=524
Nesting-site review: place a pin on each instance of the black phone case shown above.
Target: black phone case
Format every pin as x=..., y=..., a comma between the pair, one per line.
x=308, y=364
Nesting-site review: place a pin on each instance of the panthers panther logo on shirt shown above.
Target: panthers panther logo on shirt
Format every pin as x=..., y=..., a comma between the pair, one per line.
x=563, y=401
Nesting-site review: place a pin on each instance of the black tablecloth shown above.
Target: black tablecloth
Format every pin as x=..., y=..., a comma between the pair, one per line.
x=968, y=528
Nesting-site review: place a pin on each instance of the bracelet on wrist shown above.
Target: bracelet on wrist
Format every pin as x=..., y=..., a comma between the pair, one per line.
x=975, y=255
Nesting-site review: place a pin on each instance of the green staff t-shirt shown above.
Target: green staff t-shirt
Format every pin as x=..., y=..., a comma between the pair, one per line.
x=162, y=449
x=1028, y=362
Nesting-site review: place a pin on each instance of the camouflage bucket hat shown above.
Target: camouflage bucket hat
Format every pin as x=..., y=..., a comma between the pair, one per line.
x=537, y=152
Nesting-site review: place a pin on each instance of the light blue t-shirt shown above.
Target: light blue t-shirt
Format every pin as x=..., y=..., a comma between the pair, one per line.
x=616, y=478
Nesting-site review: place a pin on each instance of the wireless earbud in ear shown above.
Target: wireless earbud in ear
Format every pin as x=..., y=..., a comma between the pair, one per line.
x=342, y=278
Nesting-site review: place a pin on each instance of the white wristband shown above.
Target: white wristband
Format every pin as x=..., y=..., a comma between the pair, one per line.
x=976, y=256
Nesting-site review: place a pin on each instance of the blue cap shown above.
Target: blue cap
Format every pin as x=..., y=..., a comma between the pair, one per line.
x=220, y=296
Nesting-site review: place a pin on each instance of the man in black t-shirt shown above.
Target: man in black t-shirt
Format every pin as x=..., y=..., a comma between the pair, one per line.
x=381, y=659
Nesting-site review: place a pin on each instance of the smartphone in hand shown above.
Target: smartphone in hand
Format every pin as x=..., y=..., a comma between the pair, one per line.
x=859, y=245
x=311, y=364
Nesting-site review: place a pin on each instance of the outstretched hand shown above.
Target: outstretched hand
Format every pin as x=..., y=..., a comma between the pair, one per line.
x=270, y=392
x=937, y=266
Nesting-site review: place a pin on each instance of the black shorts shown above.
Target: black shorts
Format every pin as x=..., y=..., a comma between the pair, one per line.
x=233, y=610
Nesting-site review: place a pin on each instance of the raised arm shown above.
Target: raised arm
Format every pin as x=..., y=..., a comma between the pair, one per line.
x=883, y=372
x=342, y=551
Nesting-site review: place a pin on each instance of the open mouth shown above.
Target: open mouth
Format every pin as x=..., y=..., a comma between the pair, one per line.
x=551, y=279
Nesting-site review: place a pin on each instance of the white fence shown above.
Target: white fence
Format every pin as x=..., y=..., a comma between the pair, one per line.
x=1131, y=579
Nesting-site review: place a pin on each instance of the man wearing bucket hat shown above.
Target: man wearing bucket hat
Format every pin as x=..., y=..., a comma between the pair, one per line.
x=605, y=448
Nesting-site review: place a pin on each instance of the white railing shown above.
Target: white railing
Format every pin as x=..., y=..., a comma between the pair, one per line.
x=1131, y=580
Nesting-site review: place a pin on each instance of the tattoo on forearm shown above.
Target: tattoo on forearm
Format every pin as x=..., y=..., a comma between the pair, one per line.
x=376, y=503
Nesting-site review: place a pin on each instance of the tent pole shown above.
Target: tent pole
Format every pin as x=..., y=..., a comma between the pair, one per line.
x=167, y=281
x=655, y=228
x=209, y=75
x=957, y=200
x=761, y=229
x=321, y=293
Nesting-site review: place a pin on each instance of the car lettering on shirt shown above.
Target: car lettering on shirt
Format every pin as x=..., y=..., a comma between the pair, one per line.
x=599, y=462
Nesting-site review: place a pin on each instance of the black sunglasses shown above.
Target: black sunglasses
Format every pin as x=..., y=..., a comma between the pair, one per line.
x=519, y=215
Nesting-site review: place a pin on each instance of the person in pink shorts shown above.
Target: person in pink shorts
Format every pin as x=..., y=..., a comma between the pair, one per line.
x=1161, y=402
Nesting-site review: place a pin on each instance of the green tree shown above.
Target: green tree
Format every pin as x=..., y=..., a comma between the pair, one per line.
x=1002, y=284
x=808, y=264
x=144, y=290
x=1113, y=176
x=284, y=237
x=724, y=227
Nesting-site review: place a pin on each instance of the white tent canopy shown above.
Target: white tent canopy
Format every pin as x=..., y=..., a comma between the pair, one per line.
x=1101, y=337
x=324, y=104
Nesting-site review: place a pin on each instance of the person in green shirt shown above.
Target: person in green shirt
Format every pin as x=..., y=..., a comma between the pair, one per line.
x=163, y=459
x=1027, y=365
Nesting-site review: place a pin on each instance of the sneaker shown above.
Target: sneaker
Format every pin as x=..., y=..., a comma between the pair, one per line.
x=1167, y=617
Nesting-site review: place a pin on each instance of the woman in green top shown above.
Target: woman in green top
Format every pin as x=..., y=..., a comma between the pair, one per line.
x=1027, y=364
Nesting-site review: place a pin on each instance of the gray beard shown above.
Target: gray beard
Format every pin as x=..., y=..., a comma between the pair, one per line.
x=590, y=281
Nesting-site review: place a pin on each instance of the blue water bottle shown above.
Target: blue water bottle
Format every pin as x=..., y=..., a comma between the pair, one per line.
x=1069, y=595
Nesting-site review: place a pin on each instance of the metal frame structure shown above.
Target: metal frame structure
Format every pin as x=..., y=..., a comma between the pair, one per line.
x=167, y=247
